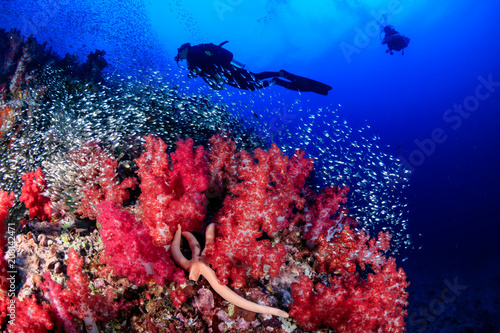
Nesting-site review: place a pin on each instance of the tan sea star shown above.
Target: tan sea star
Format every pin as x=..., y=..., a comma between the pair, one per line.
x=198, y=265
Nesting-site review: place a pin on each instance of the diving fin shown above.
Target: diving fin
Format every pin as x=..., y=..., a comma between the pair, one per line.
x=300, y=83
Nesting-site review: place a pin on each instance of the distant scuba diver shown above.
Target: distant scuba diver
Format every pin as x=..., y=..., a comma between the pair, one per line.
x=394, y=40
x=216, y=66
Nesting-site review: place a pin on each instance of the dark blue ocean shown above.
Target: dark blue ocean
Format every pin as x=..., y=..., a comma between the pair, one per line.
x=435, y=109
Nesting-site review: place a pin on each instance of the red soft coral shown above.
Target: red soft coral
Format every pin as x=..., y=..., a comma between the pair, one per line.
x=77, y=300
x=351, y=248
x=54, y=292
x=6, y=201
x=38, y=204
x=100, y=179
x=368, y=295
x=325, y=215
x=172, y=195
x=223, y=159
x=262, y=202
x=30, y=317
x=129, y=249
x=178, y=297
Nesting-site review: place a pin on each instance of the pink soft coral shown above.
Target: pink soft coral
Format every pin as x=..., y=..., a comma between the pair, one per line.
x=172, y=195
x=6, y=202
x=77, y=299
x=129, y=249
x=367, y=294
x=223, y=162
x=261, y=202
x=326, y=215
x=32, y=195
x=30, y=317
x=100, y=179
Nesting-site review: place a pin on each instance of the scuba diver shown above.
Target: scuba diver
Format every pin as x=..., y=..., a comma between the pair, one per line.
x=216, y=66
x=394, y=40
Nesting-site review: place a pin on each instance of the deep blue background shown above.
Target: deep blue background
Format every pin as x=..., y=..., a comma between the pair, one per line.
x=454, y=193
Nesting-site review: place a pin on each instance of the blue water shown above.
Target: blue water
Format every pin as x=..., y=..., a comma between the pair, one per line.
x=408, y=101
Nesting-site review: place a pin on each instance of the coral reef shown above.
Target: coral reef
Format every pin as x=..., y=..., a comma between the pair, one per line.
x=198, y=265
x=129, y=249
x=24, y=61
x=365, y=291
x=6, y=202
x=65, y=108
x=77, y=299
x=259, y=243
x=172, y=195
x=32, y=197
x=107, y=178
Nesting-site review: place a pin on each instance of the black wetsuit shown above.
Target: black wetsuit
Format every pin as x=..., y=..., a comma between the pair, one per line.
x=394, y=40
x=213, y=64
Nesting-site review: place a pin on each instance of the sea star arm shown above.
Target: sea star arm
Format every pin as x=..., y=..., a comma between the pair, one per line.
x=175, y=250
x=236, y=299
x=209, y=235
x=193, y=244
x=197, y=266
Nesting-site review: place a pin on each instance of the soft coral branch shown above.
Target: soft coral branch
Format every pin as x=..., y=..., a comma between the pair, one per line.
x=129, y=248
x=31, y=317
x=32, y=195
x=6, y=202
x=367, y=292
x=172, y=195
x=100, y=179
x=77, y=299
x=326, y=215
x=262, y=200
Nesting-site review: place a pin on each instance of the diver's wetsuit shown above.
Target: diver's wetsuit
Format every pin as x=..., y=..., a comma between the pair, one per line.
x=213, y=64
x=243, y=79
x=394, y=40
x=215, y=67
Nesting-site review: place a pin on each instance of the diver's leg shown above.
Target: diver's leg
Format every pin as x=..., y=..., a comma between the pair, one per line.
x=265, y=75
x=298, y=83
x=286, y=84
x=252, y=86
x=258, y=85
x=244, y=79
x=253, y=81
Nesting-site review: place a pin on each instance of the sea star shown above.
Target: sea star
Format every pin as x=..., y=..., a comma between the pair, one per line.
x=198, y=265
